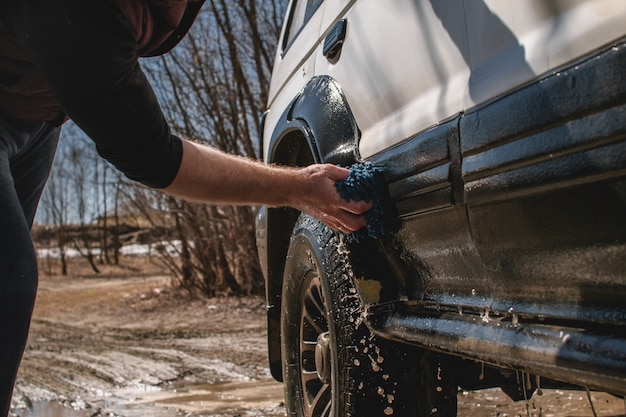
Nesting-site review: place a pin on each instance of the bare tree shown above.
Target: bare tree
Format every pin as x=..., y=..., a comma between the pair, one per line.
x=55, y=210
x=83, y=238
x=214, y=88
x=75, y=197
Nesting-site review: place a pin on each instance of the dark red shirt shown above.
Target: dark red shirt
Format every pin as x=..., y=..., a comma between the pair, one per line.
x=80, y=58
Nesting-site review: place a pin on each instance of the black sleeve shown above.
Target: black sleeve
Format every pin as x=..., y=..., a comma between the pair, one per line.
x=87, y=53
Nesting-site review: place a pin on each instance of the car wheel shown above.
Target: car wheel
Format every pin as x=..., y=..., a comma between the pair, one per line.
x=332, y=364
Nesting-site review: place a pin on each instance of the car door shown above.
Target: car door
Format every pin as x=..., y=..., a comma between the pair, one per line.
x=399, y=68
x=405, y=78
x=543, y=157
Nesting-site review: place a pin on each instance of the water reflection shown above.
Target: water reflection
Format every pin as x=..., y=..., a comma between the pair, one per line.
x=261, y=398
x=51, y=409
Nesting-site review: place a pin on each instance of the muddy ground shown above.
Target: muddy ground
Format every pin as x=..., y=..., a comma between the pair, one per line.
x=126, y=344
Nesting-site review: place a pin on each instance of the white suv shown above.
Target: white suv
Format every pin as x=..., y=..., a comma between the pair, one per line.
x=501, y=130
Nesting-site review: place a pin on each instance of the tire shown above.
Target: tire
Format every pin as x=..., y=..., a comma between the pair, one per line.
x=333, y=366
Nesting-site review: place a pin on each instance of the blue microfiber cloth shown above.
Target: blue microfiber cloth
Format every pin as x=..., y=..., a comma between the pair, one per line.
x=366, y=182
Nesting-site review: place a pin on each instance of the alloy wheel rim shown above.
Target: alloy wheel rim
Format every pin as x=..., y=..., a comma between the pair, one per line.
x=315, y=354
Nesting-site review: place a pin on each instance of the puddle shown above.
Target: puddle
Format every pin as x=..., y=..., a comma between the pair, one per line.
x=245, y=398
x=50, y=409
x=229, y=397
x=259, y=399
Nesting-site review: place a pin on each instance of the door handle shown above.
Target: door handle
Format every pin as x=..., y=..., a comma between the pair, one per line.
x=334, y=40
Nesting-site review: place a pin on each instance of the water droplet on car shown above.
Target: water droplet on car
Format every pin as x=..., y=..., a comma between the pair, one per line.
x=357, y=362
x=388, y=411
x=485, y=316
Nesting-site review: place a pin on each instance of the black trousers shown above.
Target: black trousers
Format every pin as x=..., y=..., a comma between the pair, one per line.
x=26, y=153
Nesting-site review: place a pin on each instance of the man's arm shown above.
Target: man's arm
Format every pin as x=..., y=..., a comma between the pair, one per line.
x=211, y=176
x=87, y=53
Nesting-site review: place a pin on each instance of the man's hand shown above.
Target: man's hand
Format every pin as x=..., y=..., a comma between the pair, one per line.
x=319, y=198
x=210, y=176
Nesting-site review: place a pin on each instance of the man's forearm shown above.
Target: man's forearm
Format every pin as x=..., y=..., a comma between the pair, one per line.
x=210, y=176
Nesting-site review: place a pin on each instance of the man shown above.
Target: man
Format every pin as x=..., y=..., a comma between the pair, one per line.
x=79, y=59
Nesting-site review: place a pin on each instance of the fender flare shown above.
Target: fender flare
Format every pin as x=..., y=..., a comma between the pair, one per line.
x=321, y=115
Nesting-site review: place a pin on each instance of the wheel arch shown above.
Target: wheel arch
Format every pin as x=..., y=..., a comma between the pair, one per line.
x=317, y=127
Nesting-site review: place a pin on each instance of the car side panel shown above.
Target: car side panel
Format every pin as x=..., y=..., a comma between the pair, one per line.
x=510, y=43
x=441, y=58
x=536, y=281
x=544, y=171
x=425, y=184
x=526, y=214
x=399, y=69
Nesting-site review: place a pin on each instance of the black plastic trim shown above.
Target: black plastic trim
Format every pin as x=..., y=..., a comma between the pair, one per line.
x=565, y=128
x=423, y=172
x=333, y=42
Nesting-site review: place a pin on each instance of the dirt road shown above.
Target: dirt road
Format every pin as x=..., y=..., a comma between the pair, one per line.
x=118, y=346
x=127, y=347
